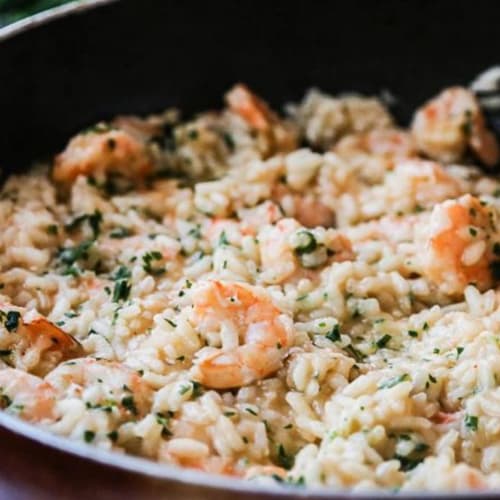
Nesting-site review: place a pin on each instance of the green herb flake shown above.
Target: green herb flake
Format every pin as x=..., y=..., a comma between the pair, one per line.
x=306, y=243
x=388, y=384
x=129, y=404
x=70, y=255
x=334, y=334
x=412, y=333
x=471, y=422
x=88, y=436
x=197, y=389
x=147, y=260
x=383, y=341
x=495, y=269
x=52, y=229
x=284, y=459
x=121, y=291
x=12, y=320
x=229, y=141
x=93, y=219
x=223, y=241
x=122, y=273
x=112, y=436
x=120, y=233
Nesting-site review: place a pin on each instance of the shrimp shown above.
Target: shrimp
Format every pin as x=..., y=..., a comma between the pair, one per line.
x=388, y=144
x=257, y=114
x=255, y=334
x=276, y=255
x=457, y=247
x=101, y=382
x=446, y=126
x=101, y=152
x=306, y=208
x=32, y=343
x=29, y=396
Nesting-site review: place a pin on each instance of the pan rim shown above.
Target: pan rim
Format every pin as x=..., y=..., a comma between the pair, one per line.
x=49, y=15
x=143, y=466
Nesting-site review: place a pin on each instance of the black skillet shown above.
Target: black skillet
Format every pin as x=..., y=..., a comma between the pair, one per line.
x=62, y=71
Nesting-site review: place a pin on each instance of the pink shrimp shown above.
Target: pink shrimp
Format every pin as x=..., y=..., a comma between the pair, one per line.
x=446, y=126
x=101, y=152
x=457, y=245
x=263, y=334
x=31, y=397
x=34, y=343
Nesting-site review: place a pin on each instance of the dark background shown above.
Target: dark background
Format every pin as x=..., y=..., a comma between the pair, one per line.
x=144, y=55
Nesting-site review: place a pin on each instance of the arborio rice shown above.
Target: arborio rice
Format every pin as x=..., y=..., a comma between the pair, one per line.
x=309, y=301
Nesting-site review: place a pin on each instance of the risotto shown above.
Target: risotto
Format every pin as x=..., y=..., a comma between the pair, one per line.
x=307, y=301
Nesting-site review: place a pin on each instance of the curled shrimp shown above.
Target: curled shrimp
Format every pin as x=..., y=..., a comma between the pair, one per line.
x=276, y=255
x=252, y=109
x=306, y=207
x=255, y=334
x=32, y=343
x=101, y=152
x=101, y=382
x=28, y=396
x=458, y=246
x=448, y=125
x=387, y=143
x=259, y=116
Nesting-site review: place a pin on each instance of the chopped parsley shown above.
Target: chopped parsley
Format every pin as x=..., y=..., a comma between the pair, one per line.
x=229, y=141
x=94, y=221
x=129, y=404
x=122, y=273
x=223, y=241
x=52, y=229
x=121, y=291
x=383, y=341
x=147, y=261
x=284, y=459
x=120, y=232
x=412, y=333
x=388, y=384
x=11, y=321
x=88, y=436
x=184, y=388
x=495, y=269
x=471, y=422
x=197, y=389
x=71, y=255
x=334, y=333
x=113, y=436
x=306, y=243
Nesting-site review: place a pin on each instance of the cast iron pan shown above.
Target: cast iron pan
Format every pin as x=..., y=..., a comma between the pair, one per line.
x=64, y=70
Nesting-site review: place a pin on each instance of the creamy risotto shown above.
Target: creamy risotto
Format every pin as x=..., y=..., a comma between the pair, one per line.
x=307, y=301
